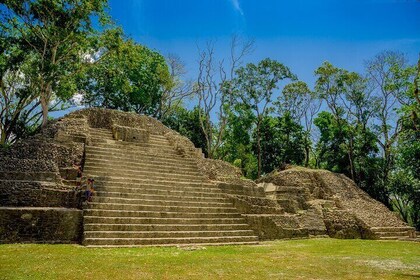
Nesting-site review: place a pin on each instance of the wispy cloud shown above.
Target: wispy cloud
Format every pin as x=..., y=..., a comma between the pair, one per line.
x=237, y=6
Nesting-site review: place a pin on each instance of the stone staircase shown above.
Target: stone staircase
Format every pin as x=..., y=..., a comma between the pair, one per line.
x=146, y=194
x=395, y=233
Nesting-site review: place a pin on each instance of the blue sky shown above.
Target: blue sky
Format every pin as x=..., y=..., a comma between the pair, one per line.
x=300, y=34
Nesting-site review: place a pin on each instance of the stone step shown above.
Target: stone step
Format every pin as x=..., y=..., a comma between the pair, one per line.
x=154, y=161
x=154, y=214
x=159, y=202
x=108, y=133
x=100, y=132
x=132, y=149
x=168, y=197
x=105, y=179
x=159, y=221
x=134, y=156
x=129, y=149
x=291, y=190
x=143, y=174
x=114, y=180
x=160, y=141
x=144, y=178
x=163, y=227
x=113, y=166
x=145, y=187
x=153, y=165
x=99, y=141
x=165, y=234
x=392, y=233
x=169, y=168
x=189, y=245
x=95, y=136
x=148, y=195
x=389, y=237
x=167, y=241
x=99, y=129
x=411, y=239
x=165, y=191
x=130, y=146
x=149, y=159
x=391, y=229
x=159, y=208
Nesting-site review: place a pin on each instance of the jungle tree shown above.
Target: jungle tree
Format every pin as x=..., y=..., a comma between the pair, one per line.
x=255, y=85
x=59, y=36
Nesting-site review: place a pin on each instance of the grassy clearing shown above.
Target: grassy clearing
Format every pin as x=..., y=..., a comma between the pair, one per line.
x=293, y=259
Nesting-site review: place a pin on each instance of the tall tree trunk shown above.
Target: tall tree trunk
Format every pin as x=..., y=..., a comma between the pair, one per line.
x=44, y=106
x=3, y=137
x=259, y=149
x=351, y=161
x=387, y=165
x=209, y=138
x=307, y=151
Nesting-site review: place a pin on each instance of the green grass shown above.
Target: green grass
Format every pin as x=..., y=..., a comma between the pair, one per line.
x=292, y=259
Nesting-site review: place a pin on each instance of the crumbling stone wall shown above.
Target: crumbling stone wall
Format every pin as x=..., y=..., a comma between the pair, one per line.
x=35, y=205
x=344, y=224
x=40, y=225
x=36, y=194
x=332, y=199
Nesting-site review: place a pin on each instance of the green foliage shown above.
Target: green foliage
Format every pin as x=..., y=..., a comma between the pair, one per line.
x=254, y=87
x=282, y=141
x=302, y=104
x=18, y=106
x=294, y=100
x=331, y=154
x=359, y=162
x=56, y=35
x=187, y=124
x=405, y=179
x=237, y=145
x=132, y=78
x=405, y=196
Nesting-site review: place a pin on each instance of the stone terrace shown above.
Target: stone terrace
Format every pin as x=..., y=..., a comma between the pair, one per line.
x=149, y=195
x=153, y=187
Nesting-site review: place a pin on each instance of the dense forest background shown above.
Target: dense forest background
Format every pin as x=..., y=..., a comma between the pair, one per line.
x=258, y=116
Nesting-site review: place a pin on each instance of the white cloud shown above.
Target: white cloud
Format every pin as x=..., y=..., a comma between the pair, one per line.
x=77, y=99
x=237, y=6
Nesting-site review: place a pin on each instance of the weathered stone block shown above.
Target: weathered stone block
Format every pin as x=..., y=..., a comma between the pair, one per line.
x=240, y=189
x=36, y=194
x=130, y=134
x=343, y=224
x=30, y=176
x=40, y=225
x=63, y=137
x=255, y=205
x=268, y=228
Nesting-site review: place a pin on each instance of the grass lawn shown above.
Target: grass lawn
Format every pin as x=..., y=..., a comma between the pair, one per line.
x=291, y=259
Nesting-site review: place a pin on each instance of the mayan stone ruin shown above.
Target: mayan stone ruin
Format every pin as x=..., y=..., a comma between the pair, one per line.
x=153, y=187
